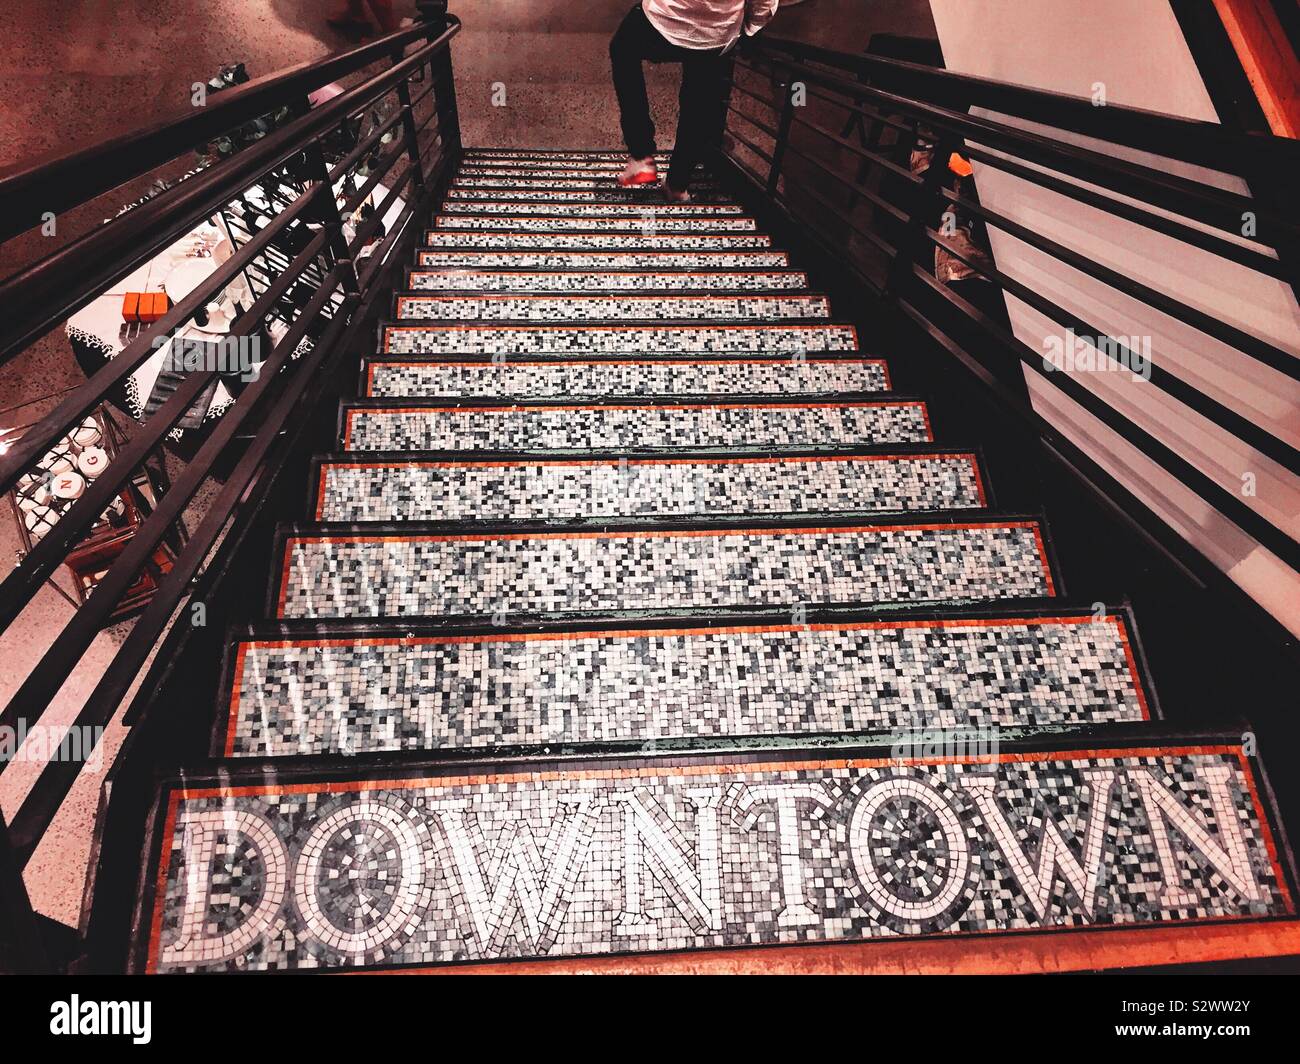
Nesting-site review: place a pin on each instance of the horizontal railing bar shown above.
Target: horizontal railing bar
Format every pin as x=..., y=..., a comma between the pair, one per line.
x=765, y=101
x=57, y=777
x=1260, y=350
x=69, y=278
x=870, y=194
x=345, y=165
x=83, y=398
x=1211, y=409
x=750, y=145
x=367, y=228
x=48, y=675
x=1206, y=144
x=861, y=152
x=1231, y=507
x=1206, y=203
x=57, y=184
x=378, y=174
x=1212, y=242
x=865, y=112
x=752, y=121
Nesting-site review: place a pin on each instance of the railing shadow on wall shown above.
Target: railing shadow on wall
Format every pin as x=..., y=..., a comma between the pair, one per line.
x=833, y=139
x=339, y=191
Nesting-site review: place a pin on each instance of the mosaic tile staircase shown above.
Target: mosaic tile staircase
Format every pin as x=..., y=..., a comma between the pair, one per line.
x=608, y=636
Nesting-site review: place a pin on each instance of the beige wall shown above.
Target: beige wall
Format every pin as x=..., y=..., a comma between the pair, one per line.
x=1137, y=50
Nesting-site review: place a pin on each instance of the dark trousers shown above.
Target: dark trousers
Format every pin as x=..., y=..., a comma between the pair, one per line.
x=702, y=107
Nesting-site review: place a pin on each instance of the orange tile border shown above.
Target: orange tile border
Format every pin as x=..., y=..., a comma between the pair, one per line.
x=1013, y=953
x=958, y=944
x=666, y=633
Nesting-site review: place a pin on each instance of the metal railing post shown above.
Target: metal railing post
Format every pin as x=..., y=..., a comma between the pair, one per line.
x=409, y=133
x=331, y=218
x=925, y=209
x=782, y=135
x=22, y=951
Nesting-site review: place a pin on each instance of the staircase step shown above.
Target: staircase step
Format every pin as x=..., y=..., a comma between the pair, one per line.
x=645, y=212
x=1069, y=853
x=414, y=569
x=539, y=375
x=546, y=486
x=497, y=178
x=537, y=170
x=630, y=221
x=676, y=421
x=608, y=281
x=556, y=193
x=622, y=306
x=594, y=241
x=481, y=258
x=618, y=155
x=660, y=338
x=335, y=687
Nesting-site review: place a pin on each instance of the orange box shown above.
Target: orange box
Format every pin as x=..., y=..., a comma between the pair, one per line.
x=131, y=306
x=153, y=305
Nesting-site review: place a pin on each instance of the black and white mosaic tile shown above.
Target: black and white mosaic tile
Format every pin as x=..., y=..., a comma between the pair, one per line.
x=367, y=695
x=586, y=861
x=622, y=307
x=616, y=339
x=455, y=491
x=560, y=171
x=606, y=260
x=564, y=193
x=387, y=576
x=642, y=210
x=609, y=281
x=642, y=377
x=588, y=241
x=499, y=178
x=603, y=427
x=613, y=155
x=646, y=222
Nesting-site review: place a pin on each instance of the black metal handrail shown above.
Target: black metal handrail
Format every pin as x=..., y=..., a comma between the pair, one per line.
x=922, y=106
x=343, y=276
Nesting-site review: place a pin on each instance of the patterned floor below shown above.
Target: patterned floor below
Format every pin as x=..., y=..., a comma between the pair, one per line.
x=573, y=378
x=429, y=866
x=371, y=694
x=413, y=490
x=392, y=575
x=830, y=423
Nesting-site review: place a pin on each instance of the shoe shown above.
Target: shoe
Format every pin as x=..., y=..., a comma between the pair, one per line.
x=672, y=195
x=639, y=172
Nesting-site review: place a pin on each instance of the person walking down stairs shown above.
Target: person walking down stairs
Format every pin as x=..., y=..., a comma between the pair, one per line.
x=700, y=35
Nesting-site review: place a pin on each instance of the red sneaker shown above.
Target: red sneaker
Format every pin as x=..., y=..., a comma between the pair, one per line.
x=639, y=172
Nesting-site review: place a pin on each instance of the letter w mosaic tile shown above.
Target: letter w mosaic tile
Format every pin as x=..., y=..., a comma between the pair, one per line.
x=581, y=859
